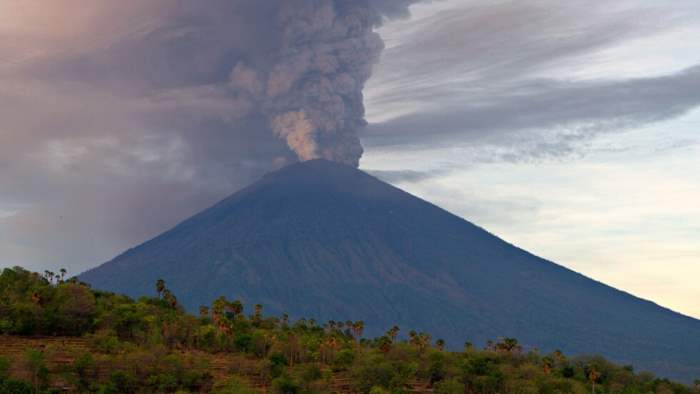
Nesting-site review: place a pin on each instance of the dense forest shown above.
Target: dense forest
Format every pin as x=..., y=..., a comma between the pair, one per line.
x=152, y=345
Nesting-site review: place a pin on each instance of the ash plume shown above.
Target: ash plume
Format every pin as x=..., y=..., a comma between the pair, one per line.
x=310, y=87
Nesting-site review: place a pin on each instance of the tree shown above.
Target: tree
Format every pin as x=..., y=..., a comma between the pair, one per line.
x=83, y=366
x=423, y=340
x=547, y=365
x=237, y=307
x=218, y=308
x=49, y=275
x=36, y=365
x=413, y=337
x=559, y=355
x=63, y=274
x=76, y=306
x=593, y=375
x=330, y=326
x=233, y=385
x=509, y=345
x=257, y=313
x=384, y=343
x=329, y=347
x=440, y=344
x=203, y=311
x=393, y=333
x=358, y=328
x=160, y=287
x=468, y=346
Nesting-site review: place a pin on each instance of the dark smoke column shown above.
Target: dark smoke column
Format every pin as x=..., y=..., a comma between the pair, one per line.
x=311, y=92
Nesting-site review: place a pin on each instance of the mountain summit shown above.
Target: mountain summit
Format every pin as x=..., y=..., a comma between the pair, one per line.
x=327, y=241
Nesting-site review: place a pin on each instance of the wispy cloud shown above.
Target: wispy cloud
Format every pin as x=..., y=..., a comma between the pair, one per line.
x=505, y=78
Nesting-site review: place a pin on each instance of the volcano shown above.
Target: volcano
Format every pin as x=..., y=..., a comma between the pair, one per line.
x=327, y=241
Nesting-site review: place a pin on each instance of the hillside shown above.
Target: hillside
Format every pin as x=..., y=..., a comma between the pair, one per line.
x=59, y=335
x=327, y=241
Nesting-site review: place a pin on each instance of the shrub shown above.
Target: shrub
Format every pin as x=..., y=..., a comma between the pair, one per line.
x=449, y=386
x=311, y=373
x=344, y=360
x=12, y=386
x=284, y=385
x=277, y=363
x=36, y=365
x=123, y=382
x=105, y=341
x=232, y=386
x=378, y=390
x=83, y=366
x=4, y=367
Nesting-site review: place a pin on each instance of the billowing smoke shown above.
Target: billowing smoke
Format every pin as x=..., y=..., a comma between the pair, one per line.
x=310, y=87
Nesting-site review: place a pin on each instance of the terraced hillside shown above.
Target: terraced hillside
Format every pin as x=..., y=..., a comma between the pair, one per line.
x=60, y=355
x=61, y=335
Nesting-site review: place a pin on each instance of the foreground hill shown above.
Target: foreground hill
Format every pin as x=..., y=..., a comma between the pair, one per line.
x=62, y=336
x=327, y=241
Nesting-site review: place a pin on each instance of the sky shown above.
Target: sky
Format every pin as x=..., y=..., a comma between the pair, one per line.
x=568, y=129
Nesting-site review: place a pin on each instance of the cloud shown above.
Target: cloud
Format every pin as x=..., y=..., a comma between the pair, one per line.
x=577, y=110
x=405, y=176
x=121, y=119
x=508, y=81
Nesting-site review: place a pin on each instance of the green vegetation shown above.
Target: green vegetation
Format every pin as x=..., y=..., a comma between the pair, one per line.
x=153, y=346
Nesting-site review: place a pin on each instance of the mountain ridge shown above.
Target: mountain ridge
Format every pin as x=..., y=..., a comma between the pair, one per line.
x=324, y=240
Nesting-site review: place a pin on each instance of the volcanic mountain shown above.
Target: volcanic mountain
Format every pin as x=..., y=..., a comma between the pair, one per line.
x=327, y=241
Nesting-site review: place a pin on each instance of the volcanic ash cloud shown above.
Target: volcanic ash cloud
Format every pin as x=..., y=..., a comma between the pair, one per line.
x=310, y=88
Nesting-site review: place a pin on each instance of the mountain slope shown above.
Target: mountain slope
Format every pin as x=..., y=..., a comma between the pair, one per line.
x=323, y=240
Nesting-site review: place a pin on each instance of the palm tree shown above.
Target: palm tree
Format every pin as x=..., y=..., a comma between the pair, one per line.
x=440, y=343
x=285, y=320
x=468, y=346
x=330, y=325
x=232, y=309
x=160, y=287
x=170, y=298
x=63, y=273
x=257, y=313
x=413, y=337
x=393, y=333
x=593, y=376
x=423, y=340
x=547, y=365
x=559, y=355
x=696, y=382
x=509, y=345
x=329, y=346
x=302, y=323
x=203, y=311
x=237, y=307
x=49, y=275
x=358, y=328
x=217, y=310
x=385, y=344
